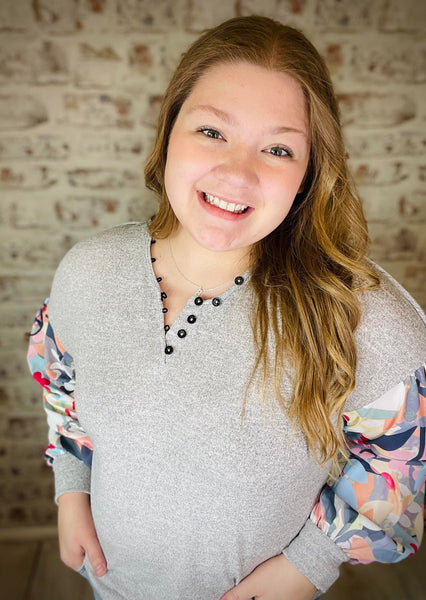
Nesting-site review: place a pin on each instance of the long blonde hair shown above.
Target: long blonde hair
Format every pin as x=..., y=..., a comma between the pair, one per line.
x=308, y=272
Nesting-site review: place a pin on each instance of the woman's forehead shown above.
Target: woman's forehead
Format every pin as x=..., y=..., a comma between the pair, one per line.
x=231, y=90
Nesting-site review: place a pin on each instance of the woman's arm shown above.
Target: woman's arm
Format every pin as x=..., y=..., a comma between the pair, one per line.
x=70, y=449
x=374, y=511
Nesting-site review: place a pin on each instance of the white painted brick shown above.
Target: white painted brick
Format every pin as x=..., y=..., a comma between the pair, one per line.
x=203, y=15
x=97, y=110
x=21, y=111
x=409, y=15
x=34, y=147
x=388, y=143
x=107, y=146
x=296, y=13
x=56, y=16
x=347, y=16
x=142, y=207
x=16, y=15
x=27, y=177
x=81, y=87
x=18, y=250
x=87, y=212
x=104, y=178
x=393, y=203
x=387, y=61
x=367, y=109
x=151, y=15
x=96, y=66
x=398, y=242
x=379, y=172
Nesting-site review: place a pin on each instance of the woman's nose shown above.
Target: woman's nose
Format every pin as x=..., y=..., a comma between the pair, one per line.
x=238, y=168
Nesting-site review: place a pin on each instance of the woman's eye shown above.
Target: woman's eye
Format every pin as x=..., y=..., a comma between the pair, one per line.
x=279, y=151
x=211, y=133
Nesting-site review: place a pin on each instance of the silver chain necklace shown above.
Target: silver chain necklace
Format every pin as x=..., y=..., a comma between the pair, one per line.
x=200, y=289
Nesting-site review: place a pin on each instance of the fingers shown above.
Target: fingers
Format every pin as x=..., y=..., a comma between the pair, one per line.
x=242, y=591
x=72, y=558
x=96, y=557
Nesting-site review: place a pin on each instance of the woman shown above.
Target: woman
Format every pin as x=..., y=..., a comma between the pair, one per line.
x=198, y=372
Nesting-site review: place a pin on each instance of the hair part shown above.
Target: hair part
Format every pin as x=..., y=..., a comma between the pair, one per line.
x=307, y=274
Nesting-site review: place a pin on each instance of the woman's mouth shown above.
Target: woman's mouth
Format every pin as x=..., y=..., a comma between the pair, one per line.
x=228, y=206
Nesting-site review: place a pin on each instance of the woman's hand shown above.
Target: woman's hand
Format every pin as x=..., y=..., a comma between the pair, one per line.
x=77, y=533
x=275, y=579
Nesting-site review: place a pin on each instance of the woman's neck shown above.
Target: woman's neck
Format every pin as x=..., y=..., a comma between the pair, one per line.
x=204, y=268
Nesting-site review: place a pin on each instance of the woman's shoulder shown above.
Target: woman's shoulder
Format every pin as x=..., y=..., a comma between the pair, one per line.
x=391, y=340
x=112, y=239
x=389, y=310
x=105, y=248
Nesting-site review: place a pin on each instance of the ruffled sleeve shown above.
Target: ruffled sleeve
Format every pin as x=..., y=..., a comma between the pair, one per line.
x=374, y=511
x=70, y=449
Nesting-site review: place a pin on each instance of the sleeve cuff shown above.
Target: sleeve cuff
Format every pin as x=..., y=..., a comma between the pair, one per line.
x=315, y=556
x=71, y=475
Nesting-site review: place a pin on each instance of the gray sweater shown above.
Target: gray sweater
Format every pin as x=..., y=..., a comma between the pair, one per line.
x=186, y=500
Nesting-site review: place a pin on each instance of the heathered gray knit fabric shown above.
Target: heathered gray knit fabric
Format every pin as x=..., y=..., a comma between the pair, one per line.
x=186, y=501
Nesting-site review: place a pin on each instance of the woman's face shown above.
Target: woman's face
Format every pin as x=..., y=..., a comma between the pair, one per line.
x=237, y=155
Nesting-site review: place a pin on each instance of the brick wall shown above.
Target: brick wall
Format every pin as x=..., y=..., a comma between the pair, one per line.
x=80, y=88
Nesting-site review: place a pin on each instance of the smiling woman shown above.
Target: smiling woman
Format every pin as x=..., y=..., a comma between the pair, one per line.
x=246, y=147
x=248, y=347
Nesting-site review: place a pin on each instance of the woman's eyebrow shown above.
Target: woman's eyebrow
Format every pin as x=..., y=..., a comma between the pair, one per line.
x=231, y=121
x=216, y=111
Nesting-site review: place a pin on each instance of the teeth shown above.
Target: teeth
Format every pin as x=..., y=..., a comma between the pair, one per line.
x=229, y=206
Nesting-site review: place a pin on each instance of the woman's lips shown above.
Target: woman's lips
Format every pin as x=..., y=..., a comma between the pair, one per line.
x=219, y=207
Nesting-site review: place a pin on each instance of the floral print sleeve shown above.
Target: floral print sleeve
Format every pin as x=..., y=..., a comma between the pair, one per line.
x=53, y=368
x=374, y=511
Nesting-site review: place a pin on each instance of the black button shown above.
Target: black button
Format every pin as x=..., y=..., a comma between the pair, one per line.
x=191, y=319
x=153, y=259
x=168, y=349
x=163, y=295
x=239, y=280
x=166, y=328
x=159, y=279
x=198, y=301
x=165, y=310
x=181, y=333
x=216, y=301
